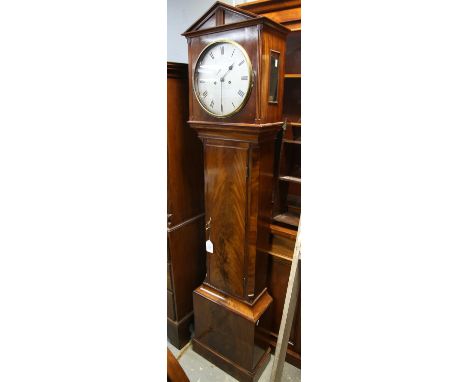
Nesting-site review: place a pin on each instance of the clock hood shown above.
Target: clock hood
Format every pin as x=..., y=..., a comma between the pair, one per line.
x=225, y=16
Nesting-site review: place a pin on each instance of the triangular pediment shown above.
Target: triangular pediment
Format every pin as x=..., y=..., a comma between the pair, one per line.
x=220, y=14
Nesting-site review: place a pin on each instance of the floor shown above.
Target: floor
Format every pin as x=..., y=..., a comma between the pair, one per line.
x=198, y=369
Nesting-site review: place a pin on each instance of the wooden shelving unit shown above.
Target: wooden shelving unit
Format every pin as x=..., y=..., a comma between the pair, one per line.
x=288, y=173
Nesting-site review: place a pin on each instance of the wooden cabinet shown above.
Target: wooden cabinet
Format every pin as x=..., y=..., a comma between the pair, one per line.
x=287, y=176
x=185, y=209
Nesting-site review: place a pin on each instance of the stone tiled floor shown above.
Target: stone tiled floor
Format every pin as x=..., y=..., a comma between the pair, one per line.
x=198, y=369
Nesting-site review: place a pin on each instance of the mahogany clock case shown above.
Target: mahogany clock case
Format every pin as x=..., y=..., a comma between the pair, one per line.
x=239, y=179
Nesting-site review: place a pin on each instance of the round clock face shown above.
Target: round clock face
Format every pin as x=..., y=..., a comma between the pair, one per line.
x=223, y=78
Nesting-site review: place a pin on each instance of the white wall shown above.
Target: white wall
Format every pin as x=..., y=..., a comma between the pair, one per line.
x=180, y=15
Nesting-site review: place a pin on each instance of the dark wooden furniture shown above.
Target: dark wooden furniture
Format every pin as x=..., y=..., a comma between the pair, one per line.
x=175, y=373
x=185, y=208
x=239, y=156
x=287, y=192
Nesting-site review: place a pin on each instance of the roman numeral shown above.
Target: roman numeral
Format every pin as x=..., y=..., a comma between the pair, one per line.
x=233, y=104
x=244, y=78
x=232, y=54
x=212, y=55
x=221, y=108
x=240, y=63
x=202, y=81
x=212, y=104
x=222, y=50
x=205, y=93
x=241, y=93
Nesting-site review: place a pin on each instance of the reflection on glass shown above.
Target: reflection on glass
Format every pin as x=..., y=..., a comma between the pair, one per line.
x=274, y=74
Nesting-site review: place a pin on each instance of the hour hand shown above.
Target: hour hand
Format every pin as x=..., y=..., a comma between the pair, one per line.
x=229, y=69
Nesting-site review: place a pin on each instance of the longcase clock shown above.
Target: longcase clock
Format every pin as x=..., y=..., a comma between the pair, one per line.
x=236, y=67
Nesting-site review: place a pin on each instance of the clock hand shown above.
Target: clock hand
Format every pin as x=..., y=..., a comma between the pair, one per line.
x=229, y=69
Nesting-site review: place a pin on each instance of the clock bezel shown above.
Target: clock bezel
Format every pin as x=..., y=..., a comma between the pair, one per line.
x=251, y=77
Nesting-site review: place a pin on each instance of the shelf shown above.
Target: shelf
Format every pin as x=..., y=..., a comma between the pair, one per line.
x=272, y=252
x=295, y=28
x=294, y=209
x=287, y=178
x=292, y=141
x=283, y=231
x=292, y=119
x=287, y=218
x=292, y=75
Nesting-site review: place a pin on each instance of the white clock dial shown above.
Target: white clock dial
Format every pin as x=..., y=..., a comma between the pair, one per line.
x=223, y=78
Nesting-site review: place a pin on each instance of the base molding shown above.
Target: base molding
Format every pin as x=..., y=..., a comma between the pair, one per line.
x=178, y=332
x=226, y=332
x=230, y=367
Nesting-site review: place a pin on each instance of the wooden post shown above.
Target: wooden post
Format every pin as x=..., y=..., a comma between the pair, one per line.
x=288, y=312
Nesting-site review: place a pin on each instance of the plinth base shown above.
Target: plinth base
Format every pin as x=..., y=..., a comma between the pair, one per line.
x=178, y=332
x=230, y=367
x=226, y=333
